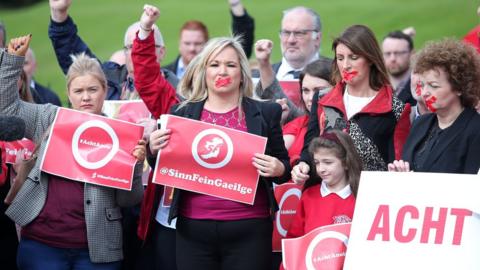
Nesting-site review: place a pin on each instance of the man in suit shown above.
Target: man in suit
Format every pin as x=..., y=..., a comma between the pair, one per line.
x=30, y=67
x=193, y=35
x=300, y=39
x=397, y=50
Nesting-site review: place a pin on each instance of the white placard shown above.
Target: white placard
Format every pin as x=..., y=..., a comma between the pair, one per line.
x=415, y=221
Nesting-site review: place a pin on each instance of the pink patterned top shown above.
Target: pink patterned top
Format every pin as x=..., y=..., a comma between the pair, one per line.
x=199, y=206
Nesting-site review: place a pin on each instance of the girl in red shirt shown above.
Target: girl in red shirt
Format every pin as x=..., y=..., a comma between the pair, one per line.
x=329, y=194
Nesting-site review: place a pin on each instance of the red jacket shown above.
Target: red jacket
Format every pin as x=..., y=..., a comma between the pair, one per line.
x=159, y=96
x=379, y=130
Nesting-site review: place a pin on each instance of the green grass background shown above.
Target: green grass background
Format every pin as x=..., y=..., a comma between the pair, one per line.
x=102, y=23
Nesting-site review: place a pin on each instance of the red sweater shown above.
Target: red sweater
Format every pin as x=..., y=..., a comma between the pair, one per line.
x=297, y=127
x=315, y=211
x=157, y=93
x=159, y=96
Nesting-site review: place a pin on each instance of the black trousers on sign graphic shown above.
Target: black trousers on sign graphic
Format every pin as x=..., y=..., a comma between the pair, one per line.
x=224, y=245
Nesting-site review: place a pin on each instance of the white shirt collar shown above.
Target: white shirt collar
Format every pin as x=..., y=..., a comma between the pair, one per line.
x=343, y=193
x=180, y=68
x=282, y=73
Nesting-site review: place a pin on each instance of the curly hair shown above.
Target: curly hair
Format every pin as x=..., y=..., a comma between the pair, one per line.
x=459, y=61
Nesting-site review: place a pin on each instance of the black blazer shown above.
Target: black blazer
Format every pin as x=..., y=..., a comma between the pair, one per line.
x=262, y=118
x=458, y=151
x=173, y=65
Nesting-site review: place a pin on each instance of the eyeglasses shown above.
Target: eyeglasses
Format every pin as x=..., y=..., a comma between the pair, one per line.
x=394, y=53
x=130, y=46
x=296, y=34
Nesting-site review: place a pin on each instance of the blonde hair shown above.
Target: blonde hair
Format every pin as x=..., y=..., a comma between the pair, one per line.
x=193, y=86
x=85, y=65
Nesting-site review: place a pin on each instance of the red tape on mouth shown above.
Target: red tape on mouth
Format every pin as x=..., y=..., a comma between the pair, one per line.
x=429, y=103
x=349, y=75
x=418, y=89
x=223, y=82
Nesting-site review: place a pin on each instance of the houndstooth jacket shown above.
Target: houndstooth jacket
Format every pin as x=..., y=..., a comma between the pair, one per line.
x=102, y=204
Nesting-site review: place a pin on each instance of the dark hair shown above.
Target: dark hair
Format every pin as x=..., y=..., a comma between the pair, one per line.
x=321, y=68
x=194, y=25
x=361, y=40
x=400, y=35
x=343, y=148
x=461, y=63
x=3, y=34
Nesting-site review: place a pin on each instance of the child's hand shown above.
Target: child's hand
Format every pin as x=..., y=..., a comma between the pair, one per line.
x=300, y=173
x=399, y=166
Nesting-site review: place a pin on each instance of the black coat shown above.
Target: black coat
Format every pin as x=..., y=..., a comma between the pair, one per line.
x=262, y=119
x=458, y=148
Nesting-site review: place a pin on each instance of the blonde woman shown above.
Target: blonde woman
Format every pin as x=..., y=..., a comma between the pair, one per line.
x=65, y=224
x=214, y=233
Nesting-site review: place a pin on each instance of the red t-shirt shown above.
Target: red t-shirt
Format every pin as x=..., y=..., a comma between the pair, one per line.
x=199, y=206
x=61, y=223
x=298, y=128
x=315, y=211
x=473, y=38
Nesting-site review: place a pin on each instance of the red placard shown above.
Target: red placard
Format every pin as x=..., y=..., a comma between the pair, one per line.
x=323, y=248
x=292, y=91
x=209, y=159
x=91, y=148
x=13, y=148
x=288, y=197
x=133, y=111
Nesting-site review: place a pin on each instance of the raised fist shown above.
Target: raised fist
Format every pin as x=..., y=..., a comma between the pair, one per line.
x=59, y=9
x=263, y=50
x=60, y=5
x=19, y=46
x=149, y=16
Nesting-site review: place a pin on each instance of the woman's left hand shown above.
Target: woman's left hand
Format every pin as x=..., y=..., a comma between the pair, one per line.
x=268, y=166
x=139, y=151
x=399, y=166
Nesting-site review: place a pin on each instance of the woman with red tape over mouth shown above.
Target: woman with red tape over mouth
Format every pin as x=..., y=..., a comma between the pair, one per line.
x=214, y=233
x=448, y=139
x=361, y=104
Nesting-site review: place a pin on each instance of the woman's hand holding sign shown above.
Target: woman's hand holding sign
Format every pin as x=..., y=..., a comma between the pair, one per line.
x=268, y=166
x=159, y=139
x=399, y=166
x=139, y=151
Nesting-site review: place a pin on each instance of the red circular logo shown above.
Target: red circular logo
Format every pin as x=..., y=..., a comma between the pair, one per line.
x=94, y=144
x=212, y=148
x=327, y=251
